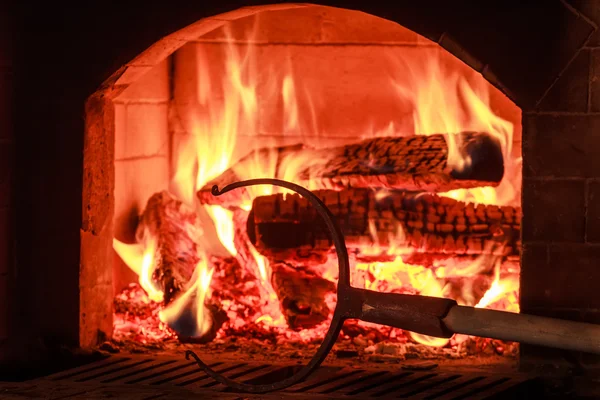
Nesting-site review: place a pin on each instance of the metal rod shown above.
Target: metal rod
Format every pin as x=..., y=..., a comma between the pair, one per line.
x=524, y=328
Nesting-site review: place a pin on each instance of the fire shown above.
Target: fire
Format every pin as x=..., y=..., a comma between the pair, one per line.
x=223, y=220
x=499, y=289
x=443, y=100
x=140, y=258
x=192, y=302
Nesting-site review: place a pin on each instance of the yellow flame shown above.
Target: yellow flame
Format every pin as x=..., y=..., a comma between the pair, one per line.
x=148, y=266
x=290, y=106
x=498, y=290
x=140, y=259
x=131, y=254
x=223, y=220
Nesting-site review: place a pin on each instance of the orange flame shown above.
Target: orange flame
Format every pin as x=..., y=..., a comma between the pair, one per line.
x=140, y=259
x=444, y=100
x=499, y=289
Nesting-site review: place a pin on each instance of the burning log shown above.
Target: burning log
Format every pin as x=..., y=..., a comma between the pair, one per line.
x=254, y=161
x=302, y=295
x=409, y=163
x=174, y=228
x=301, y=292
x=385, y=223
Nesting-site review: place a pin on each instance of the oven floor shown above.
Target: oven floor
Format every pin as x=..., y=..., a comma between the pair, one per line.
x=158, y=377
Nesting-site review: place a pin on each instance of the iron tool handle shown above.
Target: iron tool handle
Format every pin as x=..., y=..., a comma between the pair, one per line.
x=524, y=328
x=419, y=314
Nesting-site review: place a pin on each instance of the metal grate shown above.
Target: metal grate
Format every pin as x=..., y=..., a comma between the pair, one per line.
x=327, y=382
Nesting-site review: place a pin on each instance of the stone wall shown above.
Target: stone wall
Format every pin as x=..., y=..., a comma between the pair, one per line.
x=560, y=275
x=7, y=150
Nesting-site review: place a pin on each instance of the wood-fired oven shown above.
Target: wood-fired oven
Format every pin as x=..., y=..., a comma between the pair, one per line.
x=455, y=142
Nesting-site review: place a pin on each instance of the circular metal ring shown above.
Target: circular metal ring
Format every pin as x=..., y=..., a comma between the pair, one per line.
x=338, y=314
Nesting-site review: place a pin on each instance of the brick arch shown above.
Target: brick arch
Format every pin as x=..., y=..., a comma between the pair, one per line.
x=496, y=39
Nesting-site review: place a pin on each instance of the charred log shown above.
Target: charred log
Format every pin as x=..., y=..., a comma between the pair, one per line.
x=408, y=163
x=302, y=295
x=385, y=223
x=175, y=228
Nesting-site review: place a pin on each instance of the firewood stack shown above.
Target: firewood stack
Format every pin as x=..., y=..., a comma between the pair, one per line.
x=397, y=222
x=415, y=163
x=380, y=192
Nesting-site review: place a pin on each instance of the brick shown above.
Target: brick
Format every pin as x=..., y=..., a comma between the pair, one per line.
x=157, y=52
x=6, y=38
x=303, y=25
x=455, y=48
x=553, y=210
x=6, y=241
x=593, y=212
x=591, y=9
x=349, y=26
x=561, y=146
x=96, y=303
x=245, y=144
x=153, y=85
x=534, y=262
x=6, y=129
x=354, y=78
x=6, y=194
x=198, y=29
x=132, y=73
x=141, y=130
x=239, y=13
x=135, y=181
x=4, y=306
x=568, y=280
x=314, y=24
x=570, y=91
x=525, y=52
x=595, y=81
x=517, y=149
x=7, y=151
x=186, y=74
x=492, y=78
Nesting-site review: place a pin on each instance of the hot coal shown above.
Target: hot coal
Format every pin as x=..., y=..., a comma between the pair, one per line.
x=186, y=325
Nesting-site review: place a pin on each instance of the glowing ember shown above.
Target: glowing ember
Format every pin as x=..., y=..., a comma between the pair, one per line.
x=442, y=100
x=136, y=316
